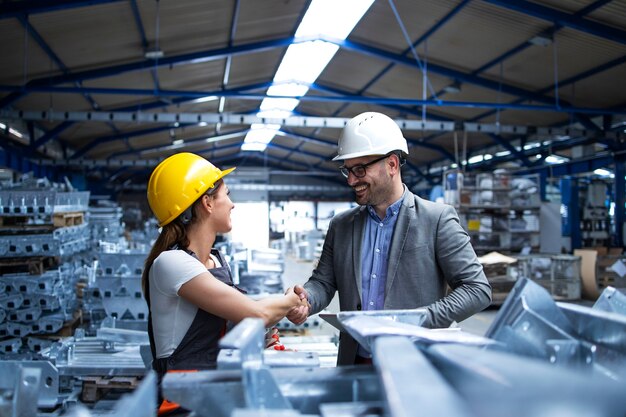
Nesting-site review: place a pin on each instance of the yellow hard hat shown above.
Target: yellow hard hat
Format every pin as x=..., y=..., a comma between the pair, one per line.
x=178, y=181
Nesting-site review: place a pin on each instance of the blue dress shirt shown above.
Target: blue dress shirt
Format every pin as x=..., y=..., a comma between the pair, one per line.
x=375, y=256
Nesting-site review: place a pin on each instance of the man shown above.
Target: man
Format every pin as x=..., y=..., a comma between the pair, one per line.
x=394, y=251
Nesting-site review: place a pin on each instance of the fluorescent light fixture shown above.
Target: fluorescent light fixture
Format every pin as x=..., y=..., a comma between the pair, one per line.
x=178, y=142
x=453, y=88
x=538, y=156
x=202, y=124
x=487, y=156
x=531, y=146
x=259, y=136
x=555, y=159
x=304, y=62
x=603, y=173
x=332, y=18
x=3, y=126
x=540, y=40
x=204, y=99
x=475, y=159
x=15, y=133
x=503, y=153
x=154, y=54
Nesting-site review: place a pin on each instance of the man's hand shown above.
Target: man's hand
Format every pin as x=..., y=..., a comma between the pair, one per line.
x=299, y=314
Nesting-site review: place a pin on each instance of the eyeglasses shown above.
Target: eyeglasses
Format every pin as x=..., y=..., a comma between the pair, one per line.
x=359, y=171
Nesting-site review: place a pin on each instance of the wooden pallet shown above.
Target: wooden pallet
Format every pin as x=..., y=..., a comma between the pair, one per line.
x=71, y=325
x=95, y=387
x=611, y=280
x=68, y=219
x=34, y=265
x=14, y=220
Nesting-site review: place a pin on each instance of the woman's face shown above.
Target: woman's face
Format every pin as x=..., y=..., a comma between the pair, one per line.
x=222, y=206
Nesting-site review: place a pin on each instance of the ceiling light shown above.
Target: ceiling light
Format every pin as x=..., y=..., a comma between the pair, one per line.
x=15, y=133
x=259, y=136
x=556, y=159
x=453, y=88
x=304, y=62
x=154, y=54
x=541, y=40
x=475, y=159
x=603, y=172
x=204, y=99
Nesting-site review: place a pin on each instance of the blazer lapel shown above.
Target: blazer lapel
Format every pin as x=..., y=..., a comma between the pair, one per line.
x=357, y=243
x=400, y=234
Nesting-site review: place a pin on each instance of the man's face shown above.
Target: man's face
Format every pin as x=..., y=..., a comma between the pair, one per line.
x=375, y=186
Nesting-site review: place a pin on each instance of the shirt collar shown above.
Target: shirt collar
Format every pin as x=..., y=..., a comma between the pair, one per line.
x=391, y=211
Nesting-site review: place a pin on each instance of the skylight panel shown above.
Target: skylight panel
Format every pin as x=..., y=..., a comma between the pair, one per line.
x=304, y=62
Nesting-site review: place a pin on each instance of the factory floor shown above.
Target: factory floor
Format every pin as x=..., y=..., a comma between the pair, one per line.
x=297, y=271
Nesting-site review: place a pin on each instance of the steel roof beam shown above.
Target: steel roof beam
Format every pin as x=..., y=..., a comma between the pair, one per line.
x=345, y=98
x=445, y=71
x=146, y=106
x=186, y=143
x=191, y=58
x=586, y=10
x=507, y=145
x=564, y=19
x=144, y=40
x=406, y=110
x=10, y=9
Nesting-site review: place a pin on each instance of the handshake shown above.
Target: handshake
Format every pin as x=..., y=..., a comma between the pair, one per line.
x=299, y=313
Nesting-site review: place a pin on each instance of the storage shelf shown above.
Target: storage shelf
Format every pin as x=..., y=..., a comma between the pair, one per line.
x=499, y=211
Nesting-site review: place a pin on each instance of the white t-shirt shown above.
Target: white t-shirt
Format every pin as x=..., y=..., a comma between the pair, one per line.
x=172, y=315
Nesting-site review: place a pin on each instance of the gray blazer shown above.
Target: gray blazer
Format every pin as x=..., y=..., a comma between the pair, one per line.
x=429, y=252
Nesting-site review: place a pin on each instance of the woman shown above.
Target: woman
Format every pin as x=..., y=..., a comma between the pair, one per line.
x=187, y=283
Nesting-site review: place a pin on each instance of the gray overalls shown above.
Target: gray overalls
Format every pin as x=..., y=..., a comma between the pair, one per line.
x=199, y=348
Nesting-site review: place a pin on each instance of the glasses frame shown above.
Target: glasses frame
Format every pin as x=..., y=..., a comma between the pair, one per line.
x=360, y=168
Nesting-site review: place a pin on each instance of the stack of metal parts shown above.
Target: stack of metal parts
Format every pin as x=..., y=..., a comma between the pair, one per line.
x=43, y=223
x=540, y=358
x=114, y=290
x=41, y=227
x=53, y=384
x=35, y=305
x=105, y=221
x=560, y=275
x=259, y=271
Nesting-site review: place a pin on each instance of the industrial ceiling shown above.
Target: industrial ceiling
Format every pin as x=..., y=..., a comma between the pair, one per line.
x=110, y=87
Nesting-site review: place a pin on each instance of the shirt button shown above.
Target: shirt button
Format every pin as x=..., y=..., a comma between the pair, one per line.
x=377, y=250
x=380, y=224
x=371, y=303
x=373, y=275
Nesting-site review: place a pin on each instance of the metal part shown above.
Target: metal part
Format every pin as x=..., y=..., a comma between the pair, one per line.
x=531, y=324
x=610, y=300
x=365, y=328
x=48, y=389
x=36, y=202
x=137, y=404
x=19, y=387
x=262, y=392
x=397, y=363
x=498, y=383
x=231, y=359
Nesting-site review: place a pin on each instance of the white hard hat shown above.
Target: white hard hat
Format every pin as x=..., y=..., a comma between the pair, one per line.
x=370, y=133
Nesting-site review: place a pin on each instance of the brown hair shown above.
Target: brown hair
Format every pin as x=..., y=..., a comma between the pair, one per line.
x=173, y=234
